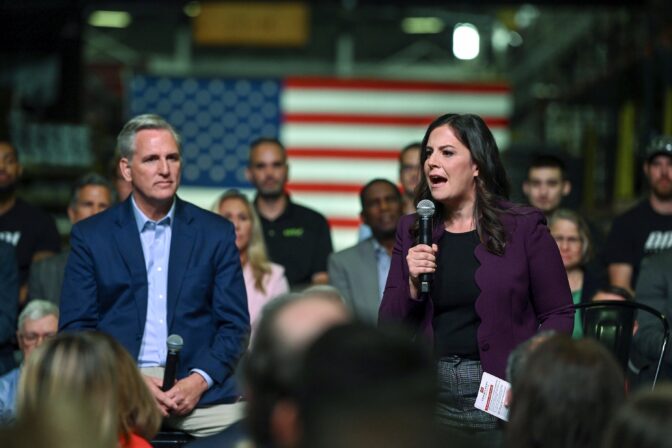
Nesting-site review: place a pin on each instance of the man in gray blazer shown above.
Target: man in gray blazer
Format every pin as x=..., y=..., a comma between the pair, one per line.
x=360, y=272
x=654, y=288
x=91, y=194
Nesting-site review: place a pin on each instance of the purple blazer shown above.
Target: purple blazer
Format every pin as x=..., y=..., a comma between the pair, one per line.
x=522, y=292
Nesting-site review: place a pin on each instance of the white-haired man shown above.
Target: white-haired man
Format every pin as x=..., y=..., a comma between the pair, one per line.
x=37, y=322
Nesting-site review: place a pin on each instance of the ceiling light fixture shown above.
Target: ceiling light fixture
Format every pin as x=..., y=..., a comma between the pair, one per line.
x=422, y=25
x=110, y=19
x=466, y=41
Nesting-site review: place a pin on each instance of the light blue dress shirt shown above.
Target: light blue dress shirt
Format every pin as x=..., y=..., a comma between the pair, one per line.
x=9, y=384
x=155, y=237
x=383, y=260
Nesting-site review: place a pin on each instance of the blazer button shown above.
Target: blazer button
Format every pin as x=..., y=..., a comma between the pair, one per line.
x=485, y=347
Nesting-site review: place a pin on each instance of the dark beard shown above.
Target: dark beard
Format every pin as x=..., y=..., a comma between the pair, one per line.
x=271, y=195
x=384, y=235
x=7, y=192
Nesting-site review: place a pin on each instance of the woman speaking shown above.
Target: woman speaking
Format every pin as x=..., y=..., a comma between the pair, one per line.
x=497, y=275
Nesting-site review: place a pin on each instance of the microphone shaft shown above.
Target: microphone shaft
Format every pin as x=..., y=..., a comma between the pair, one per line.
x=170, y=371
x=425, y=238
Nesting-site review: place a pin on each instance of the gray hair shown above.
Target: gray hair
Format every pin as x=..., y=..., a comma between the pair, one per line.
x=37, y=309
x=126, y=138
x=86, y=180
x=323, y=292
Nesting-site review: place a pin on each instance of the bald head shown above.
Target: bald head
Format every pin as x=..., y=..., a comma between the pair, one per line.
x=304, y=320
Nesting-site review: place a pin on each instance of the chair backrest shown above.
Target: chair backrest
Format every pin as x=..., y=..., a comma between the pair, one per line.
x=611, y=322
x=612, y=326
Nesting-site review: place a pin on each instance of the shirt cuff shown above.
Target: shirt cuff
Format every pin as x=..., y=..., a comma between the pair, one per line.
x=205, y=376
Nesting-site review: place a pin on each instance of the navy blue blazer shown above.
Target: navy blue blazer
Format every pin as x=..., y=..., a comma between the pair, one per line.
x=105, y=289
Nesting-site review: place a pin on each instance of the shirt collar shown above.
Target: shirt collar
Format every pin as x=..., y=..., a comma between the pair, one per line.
x=377, y=247
x=141, y=219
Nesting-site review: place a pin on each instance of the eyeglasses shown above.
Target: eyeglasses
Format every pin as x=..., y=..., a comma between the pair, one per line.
x=573, y=240
x=34, y=338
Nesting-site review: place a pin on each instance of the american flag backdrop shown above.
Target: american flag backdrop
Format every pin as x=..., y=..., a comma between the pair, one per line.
x=339, y=133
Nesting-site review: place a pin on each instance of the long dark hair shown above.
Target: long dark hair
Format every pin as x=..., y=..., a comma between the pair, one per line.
x=492, y=184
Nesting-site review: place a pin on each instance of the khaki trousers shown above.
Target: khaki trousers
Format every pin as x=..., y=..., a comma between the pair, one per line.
x=202, y=421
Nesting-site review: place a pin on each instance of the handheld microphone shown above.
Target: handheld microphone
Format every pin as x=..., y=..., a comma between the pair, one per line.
x=175, y=344
x=425, y=210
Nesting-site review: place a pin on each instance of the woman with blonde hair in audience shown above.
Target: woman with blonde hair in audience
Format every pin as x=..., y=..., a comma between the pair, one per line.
x=93, y=369
x=572, y=236
x=263, y=280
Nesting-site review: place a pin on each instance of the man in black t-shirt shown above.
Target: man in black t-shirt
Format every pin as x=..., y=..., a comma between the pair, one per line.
x=296, y=237
x=30, y=230
x=646, y=228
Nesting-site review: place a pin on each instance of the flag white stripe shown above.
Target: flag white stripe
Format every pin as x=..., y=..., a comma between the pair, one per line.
x=393, y=103
x=310, y=135
x=358, y=171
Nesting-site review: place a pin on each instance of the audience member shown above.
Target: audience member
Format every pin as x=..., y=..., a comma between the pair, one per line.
x=95, y=370
x=155, y=265
x=646, y=228
x=654, y=288
x=263, y=280
x=9, y=305
x=138, y=417
x=565, y=396
x=91, y=194
x=497, y=273
x=410, y=172
x=296, y=237
x=287, y=326
x=30, y=230
x=360, y=272
x=644, y=421
x=57, y=423
x=573, y=237
x=361, y=387
x=122, y=186
x=612, y=292
x=37, y=322
x=546, y=184
x=409, y=175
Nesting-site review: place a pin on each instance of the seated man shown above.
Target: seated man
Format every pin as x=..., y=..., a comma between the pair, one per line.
x=37, y=322
x=654, y=288
x=155, y=265
x=9, y=304
x=91, y=194
x=287, y=326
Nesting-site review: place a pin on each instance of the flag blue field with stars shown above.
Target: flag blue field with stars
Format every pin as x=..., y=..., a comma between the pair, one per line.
x=217, y=120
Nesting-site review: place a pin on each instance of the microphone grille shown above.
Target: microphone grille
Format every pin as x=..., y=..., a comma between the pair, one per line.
x=175, y=342
x=425, y=208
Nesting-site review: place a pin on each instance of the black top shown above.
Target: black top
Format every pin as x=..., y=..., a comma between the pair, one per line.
x=298, y=240
x=454, y=292
x=637, y=233
x=29, y=230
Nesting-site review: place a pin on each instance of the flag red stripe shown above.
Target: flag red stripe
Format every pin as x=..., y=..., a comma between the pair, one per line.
x=372, y=84
x=397, y=120
x=334, y=153
x=350, y=223
x=323, y=188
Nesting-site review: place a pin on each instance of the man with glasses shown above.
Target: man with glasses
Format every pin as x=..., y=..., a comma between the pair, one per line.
x=37, y=322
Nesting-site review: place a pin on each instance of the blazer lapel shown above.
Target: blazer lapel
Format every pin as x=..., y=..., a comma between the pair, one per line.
x=370, y=271
x=181, y=245
x=128, y=242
